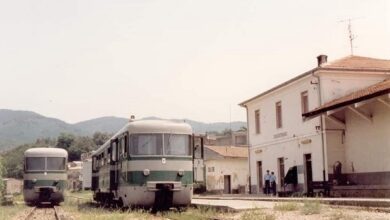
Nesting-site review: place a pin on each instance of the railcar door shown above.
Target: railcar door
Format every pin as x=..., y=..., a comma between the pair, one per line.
x=198, y=159
x=114, y=169
x=95, y=174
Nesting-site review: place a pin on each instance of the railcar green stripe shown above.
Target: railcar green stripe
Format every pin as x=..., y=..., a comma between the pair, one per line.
x=64, y=171
x=160, y=158
x=29, y=184
x=138, y=178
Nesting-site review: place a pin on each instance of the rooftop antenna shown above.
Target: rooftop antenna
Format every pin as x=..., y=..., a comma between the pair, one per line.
x=351, y=36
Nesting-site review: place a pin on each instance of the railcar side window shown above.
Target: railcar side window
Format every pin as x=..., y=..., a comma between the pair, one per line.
x=55, y=163
x=35, y=163
x=146, y=144
x=177, y=144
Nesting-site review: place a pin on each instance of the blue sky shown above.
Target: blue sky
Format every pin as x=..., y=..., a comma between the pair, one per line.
x=77, y=60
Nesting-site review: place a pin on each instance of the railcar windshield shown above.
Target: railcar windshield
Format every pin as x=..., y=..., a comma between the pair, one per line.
x=55, y=163
x=45, y=163
x=177, y=144
x=146, y=144
x=160, y=144
x=35, y=163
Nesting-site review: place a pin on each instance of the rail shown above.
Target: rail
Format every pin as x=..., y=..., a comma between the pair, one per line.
x=39, y=212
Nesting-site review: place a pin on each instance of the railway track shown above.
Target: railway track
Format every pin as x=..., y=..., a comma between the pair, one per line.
x=43, y=213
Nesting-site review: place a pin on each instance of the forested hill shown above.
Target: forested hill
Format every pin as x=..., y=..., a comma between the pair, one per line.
x=19, y=127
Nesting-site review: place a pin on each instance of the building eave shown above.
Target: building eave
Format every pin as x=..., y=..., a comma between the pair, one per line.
x=244, y=103
x=312, y=71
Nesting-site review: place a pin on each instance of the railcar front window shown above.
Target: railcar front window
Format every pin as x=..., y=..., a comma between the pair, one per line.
x=35, y=163
x=55, y=163
x=146, y=144
x=177, y=144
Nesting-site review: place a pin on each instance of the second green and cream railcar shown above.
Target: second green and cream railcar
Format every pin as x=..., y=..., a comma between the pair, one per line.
x=45, y=176
x=147, y=163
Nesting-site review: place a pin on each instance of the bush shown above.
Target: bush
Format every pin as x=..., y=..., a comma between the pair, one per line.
x=257, y=214
x=286, y=206
x=311, y=207
x=2, y=186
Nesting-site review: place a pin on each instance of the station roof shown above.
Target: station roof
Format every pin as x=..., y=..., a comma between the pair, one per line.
x=369, y=92
x=358, y=64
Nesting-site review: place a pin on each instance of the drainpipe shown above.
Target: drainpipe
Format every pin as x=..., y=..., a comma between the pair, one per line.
x=249, y=146
x=322, y=127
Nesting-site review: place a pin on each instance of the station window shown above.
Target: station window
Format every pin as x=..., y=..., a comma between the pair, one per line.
x=305, y=102
x=257, y=121
x=278, y=109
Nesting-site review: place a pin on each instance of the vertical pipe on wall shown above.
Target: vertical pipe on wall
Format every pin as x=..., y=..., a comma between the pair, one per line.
x=322, y=128
x=249, y=147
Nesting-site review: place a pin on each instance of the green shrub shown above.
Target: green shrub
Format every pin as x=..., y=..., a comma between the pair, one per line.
x=311, y=207
x=286, y=206
x=257, y=214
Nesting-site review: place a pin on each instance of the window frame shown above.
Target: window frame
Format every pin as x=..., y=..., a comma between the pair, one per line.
x=304, y=101
x=279, y=114
x=257, y=121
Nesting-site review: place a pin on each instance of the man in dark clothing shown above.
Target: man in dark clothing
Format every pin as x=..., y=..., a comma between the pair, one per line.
x=267, y=183
x=272, y=180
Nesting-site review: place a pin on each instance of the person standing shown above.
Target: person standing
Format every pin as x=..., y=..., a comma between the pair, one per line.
x=272, y=180
x=267, y=177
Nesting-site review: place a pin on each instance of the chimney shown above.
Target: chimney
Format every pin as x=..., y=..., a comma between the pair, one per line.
x=132, y=118
x=321, y=59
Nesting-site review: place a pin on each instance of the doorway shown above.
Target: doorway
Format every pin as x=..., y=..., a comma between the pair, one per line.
x=227, y=184
x=281, y=171
x=308, y=172
x=260, y=176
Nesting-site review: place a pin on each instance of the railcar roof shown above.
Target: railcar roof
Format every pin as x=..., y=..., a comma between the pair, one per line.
x=46, y=152
x=150, y=126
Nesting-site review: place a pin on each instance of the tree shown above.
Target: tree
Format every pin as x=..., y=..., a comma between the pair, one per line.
x=1, y=178
x=99, y=138
x=227, y=132
x=79, y=146
x=64, y=141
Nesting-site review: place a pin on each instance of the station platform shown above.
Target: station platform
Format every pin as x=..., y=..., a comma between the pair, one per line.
x=247, y=201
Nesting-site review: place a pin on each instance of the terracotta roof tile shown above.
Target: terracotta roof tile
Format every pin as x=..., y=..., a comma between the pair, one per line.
x=375, y=90
x=359, y=62
x=230, y=151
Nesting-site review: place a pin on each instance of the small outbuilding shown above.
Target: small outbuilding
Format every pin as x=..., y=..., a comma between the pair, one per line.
x=226, y=169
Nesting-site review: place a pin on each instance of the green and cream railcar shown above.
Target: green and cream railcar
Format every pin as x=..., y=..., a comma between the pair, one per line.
x=147, y=163
x=45, y=176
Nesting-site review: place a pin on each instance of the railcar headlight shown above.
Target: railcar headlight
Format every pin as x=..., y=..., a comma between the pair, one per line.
x=146, y=172
x=34, y=180
x=180, y=173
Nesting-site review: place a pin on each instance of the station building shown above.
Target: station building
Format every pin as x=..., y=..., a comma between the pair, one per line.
x=332, y=123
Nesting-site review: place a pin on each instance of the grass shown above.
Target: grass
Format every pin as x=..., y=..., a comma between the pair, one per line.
x=286, y=206
x=340, y=216
x=89, y=211
x=311, y=207
x=84, y=209
x=257, y=214
x=8, y=212
x=192, y=214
